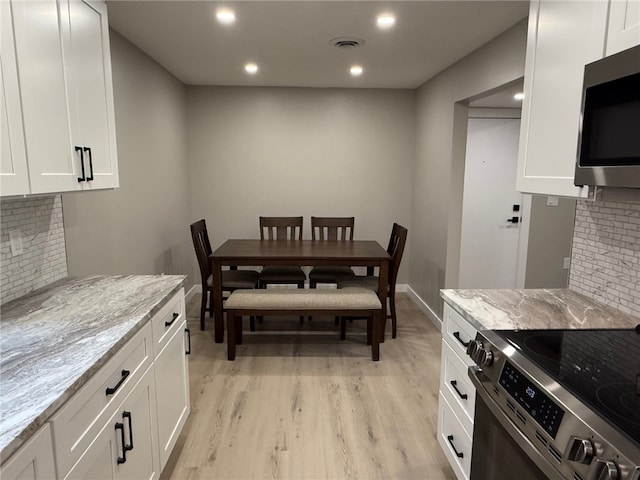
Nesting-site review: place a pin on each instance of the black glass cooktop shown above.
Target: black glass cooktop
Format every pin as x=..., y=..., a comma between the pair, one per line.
x=600, y=367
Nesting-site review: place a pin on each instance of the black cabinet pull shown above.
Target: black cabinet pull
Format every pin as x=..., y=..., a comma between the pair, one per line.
x=175, y=316
x=454, y=384
x=83, y=178
x=127, y=415
x=458, y=454
x=188, y=332
x=123, y=458
x=88, y=149
x=125, y=374
x=457, y=335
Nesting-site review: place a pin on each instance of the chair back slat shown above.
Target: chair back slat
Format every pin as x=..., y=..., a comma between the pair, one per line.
x=202, y=246
x=281, y=228
x=395, y=250
x=332, y=228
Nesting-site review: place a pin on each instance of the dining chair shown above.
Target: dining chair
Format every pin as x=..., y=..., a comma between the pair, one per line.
x=395, y=250
x=233, y=279
x=330, y=229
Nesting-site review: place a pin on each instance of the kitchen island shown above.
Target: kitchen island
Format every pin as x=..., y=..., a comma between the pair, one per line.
x=58, y=339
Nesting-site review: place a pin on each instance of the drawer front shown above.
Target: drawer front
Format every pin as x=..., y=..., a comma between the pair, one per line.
x=454, y=440
x=457, y=387
x=78, y=422
x=457, y=332
x=167, y=321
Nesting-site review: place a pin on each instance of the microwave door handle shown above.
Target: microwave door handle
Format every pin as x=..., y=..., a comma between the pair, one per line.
x=475, y=374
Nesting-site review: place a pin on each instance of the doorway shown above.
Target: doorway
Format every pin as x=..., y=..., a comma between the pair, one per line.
x=494, y=216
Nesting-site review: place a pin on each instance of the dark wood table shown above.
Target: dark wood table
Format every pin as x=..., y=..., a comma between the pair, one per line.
x=357, y=253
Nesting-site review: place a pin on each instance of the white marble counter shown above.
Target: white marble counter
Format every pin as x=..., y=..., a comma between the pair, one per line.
x=54, y=339
x=530, y=309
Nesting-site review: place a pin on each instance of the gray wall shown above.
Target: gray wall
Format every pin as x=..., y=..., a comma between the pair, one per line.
x=301, y=151
x=439, y=170
x=141, y=227
x=550, y=236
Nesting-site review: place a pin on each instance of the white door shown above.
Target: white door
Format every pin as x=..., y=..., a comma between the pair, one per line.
x=489, y=243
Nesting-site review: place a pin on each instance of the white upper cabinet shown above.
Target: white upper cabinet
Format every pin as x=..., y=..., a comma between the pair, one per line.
x=563, y=37
x=64, y=70
x=14, y=176
x=624, y=25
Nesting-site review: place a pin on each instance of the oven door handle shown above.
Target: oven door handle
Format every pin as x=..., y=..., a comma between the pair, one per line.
x=476, y=375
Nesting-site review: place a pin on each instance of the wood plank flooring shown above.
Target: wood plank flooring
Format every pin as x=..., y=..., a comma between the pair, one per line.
x=297, y=403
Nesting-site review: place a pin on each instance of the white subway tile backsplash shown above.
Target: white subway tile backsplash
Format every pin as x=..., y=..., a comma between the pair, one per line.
x=605, y=258
x=44, y=257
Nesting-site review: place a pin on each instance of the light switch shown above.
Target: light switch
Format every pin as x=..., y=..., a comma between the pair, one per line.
x=15, y=237
x=566, y=263
x=552, y=201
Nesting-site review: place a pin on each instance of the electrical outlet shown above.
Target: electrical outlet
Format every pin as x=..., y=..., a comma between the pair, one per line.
x=566, y=263
x=15, y=237
x=552, y=201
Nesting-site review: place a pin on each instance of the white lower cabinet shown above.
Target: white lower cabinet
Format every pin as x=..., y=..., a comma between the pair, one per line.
x=34, y=461
x=172, y=391
x=126, y=447
x=456, y=403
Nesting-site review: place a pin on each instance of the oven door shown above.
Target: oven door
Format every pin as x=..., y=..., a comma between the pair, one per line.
x=500, y=450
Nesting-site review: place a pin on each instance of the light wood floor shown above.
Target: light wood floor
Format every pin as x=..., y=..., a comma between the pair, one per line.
x=297, y=403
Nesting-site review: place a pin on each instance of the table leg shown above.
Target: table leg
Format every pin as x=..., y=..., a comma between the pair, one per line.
x=231, y=338
x=218, y=318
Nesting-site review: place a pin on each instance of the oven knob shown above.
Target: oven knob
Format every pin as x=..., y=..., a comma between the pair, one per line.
x=486, y=358
x=473, y=346
x=580, y=450
x=605, y=470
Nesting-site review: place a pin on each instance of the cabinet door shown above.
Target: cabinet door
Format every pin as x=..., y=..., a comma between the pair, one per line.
x=53, y=163
x=624, y=25
x=14, y=176
x=133, y=421
x=563, y=37
x=85, y=33
x=34, y=460
x=172, y=391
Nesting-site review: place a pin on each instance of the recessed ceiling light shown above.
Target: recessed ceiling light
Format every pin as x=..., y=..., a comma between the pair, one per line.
x=225, y=16
x=356, y=70
x=251, y=68
x=386, y=20
x=519, y=96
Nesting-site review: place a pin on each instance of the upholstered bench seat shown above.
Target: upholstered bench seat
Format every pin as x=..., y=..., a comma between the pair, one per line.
x=343, y=302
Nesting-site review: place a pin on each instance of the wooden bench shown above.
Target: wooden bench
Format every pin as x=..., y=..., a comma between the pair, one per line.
x=351, y=302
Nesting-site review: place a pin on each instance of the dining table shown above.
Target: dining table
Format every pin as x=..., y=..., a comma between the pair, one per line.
x=253, y=252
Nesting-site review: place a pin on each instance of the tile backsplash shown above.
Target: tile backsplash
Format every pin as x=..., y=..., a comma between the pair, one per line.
x=44, y=258
x=605, y=258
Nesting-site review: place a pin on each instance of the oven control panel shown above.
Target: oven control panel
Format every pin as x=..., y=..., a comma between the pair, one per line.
x=536, y=403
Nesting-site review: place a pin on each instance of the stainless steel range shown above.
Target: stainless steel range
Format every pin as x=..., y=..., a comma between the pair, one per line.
x=561, y=404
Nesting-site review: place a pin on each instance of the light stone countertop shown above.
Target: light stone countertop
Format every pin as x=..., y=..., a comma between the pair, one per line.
x=532, y=309
x=53, y=340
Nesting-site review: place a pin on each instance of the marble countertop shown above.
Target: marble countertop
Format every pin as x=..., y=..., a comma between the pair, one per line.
x=530, y=309
x=54, y=339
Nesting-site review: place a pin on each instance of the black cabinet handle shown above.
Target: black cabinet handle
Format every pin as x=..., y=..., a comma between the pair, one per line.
x=125, y=374
x=123, y=458
x=454, y=384
x=188, y=332
x=458, y=454
x=513, y=219
x=175, y=316
x=127, y=415
x=457, y=335
x=88, y=149
x=83, y=178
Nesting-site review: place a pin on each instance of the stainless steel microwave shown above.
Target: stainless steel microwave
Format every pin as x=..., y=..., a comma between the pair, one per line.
x=609, y=139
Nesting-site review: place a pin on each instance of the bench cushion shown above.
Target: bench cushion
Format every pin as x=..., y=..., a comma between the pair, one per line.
x=304, y=299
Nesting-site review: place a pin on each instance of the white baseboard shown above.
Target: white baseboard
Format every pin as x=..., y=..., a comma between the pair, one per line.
x=192, y=291
x=437, y=321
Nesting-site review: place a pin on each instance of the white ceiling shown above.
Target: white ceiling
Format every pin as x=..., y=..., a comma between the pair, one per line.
x=290, y=40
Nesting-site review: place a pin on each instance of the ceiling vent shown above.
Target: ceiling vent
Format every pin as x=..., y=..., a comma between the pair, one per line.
x=346, y=42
